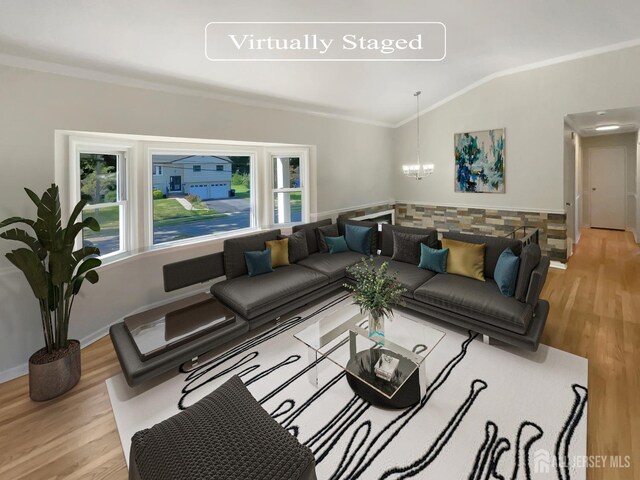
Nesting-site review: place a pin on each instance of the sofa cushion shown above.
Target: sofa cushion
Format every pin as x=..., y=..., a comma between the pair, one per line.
x=409, y=276
x=494, y=247
x=358, y=238
x=386, y=237
x=507, y=272
x=477, y=300
x=279, y=251
x=258, y=262
x=342, y=228
x=310, y=233
x=406, y=247
x=465, y=258
x=326, y=231
x=336, y=244
x=333, y=266
x=253, y=296
x=529, y=260
x=433, y=259
x=298, y=247
x=234, y=248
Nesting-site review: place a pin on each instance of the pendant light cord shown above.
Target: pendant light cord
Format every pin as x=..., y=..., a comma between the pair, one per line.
x=417, y=95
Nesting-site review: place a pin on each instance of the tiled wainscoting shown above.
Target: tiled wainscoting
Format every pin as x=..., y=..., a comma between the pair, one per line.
x=552, y=226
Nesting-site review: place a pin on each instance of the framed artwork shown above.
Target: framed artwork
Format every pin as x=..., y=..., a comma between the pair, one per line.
x=479, y=158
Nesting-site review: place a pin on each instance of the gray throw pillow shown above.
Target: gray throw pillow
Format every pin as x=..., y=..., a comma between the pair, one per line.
x=529, y=260
x=326, y=231
x=298, y=249
x=406, y=247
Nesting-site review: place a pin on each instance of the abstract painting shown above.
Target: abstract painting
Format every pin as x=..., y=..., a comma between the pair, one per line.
x=480, y=161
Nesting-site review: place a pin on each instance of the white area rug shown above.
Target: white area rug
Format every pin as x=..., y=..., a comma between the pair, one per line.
x=489, y=412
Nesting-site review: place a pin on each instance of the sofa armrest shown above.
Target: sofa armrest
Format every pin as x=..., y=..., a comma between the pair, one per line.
x=538, y=277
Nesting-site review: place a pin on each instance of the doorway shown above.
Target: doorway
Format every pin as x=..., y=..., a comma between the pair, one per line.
x=175, y=183
x=607, y=187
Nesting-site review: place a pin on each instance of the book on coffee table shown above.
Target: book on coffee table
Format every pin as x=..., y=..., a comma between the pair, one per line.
x=386, y=366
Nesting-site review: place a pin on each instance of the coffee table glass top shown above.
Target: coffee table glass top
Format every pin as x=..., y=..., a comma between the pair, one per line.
x=342, y=336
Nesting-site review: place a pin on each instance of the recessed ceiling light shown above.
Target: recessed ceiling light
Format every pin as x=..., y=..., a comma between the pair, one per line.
x=606, y=128
x=601, y=113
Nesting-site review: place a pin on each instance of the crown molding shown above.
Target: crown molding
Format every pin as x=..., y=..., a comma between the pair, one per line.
x=524, y=68
x=125, y=81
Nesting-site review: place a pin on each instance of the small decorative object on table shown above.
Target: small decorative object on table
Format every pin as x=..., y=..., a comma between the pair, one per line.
x=386, y=366
x=375, y=292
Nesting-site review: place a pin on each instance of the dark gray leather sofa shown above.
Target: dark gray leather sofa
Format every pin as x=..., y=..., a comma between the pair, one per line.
x=463, y=301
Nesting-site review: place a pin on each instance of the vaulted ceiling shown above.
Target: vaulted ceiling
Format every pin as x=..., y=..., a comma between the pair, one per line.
x=163, y=41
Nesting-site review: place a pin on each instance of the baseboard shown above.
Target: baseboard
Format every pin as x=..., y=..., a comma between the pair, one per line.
x=23, y=369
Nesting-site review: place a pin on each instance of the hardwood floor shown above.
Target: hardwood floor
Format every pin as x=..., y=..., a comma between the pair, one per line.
x=595, y=313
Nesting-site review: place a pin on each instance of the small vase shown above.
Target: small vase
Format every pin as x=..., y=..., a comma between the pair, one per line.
x=376, y=327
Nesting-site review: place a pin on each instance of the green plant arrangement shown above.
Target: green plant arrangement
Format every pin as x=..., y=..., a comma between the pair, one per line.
x=376, y=292
x=54, y=270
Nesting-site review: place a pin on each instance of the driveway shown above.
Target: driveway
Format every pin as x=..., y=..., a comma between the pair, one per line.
x=229, y=205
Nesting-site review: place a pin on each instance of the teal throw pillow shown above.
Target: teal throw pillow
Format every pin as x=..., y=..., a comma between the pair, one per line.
x=433, y=259
x=258, y=262
x=506, y=272
x=336, y=244
x=358, y=238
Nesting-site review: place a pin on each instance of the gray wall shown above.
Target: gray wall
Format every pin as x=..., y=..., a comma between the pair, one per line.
x=352, y=164
x=531, y=105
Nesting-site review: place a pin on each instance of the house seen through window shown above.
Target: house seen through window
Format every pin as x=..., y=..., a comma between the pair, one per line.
x=199, y=195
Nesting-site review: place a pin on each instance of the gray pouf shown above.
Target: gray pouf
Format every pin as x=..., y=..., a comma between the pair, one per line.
x=226, y=435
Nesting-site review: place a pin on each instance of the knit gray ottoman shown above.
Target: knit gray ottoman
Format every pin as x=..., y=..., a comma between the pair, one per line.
x=226, y=435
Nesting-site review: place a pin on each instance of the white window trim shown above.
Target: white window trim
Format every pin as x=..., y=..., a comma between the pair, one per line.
x=304, y=155
x=137, y=233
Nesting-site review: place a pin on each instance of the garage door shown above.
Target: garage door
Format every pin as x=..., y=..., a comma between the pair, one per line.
x=219, y=190
x=201, y=190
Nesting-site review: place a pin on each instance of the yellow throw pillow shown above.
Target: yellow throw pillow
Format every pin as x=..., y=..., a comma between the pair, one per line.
x=466, y=259
x=279, y=252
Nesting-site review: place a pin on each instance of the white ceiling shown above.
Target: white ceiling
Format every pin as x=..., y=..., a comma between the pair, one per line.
x=585, y=123
x=163, y=41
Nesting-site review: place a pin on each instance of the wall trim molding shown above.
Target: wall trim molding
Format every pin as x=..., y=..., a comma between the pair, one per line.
x=132, y=82
x=483, y=207
x=524, y=68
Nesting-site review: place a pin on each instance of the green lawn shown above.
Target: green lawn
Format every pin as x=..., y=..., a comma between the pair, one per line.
x=166, y=211
x=241, y=191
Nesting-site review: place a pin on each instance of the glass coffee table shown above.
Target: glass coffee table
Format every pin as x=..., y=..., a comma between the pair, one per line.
x=343, y=338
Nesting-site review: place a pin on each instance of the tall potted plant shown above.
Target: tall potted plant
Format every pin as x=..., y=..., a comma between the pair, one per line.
x=376, y=291
x=55, y=272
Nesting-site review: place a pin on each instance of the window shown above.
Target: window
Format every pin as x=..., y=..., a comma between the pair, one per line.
x=206, y=206
x=102, y=186
x=147, y=192
x=287, y=190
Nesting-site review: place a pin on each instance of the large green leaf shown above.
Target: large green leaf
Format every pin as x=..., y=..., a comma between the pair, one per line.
x=72, y=231
x=19, y=235
x=12, y=220
x=87, y=265
x=48, y=226
x=60, y=262
x=91, y=276
x=81, y=254
x=76, y=212
x=31, y=266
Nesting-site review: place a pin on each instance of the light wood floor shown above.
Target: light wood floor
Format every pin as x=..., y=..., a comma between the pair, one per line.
x=595, y=313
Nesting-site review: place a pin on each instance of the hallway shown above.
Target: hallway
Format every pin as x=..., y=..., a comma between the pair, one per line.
x=595, y=313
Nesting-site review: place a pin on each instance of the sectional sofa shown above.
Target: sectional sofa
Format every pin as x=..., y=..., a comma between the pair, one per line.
x=463, y=301
x=475, y=305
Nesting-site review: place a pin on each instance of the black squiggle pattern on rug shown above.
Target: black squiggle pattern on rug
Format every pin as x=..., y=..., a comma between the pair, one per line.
x=489, y=454
x=443, y=438
x=566, y=434
x=524, y=446
x=372, y=450
x=200, y=371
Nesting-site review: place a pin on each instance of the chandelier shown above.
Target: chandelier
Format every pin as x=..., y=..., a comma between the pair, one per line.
x=418, y=170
